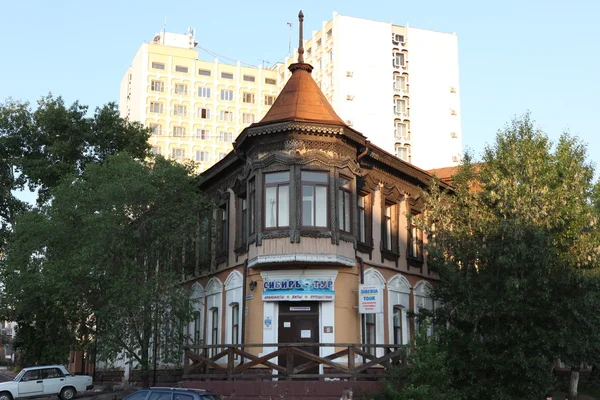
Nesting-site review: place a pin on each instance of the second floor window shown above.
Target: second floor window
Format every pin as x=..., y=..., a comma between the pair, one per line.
x=415, y=239
x=344, y=205
x=251, y=205
x=314, y=198
x=277, y=199
x=390, y=227
x=222, y=230
x=242, y=232
x=364, y=218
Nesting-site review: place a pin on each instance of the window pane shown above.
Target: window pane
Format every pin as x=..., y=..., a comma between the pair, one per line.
x=361, y=227
x=321, y=206
x=347, y=211
x=271, y=207
x=341, y=211
x=276, y=177
x=307, y=205
x=284, y=205
x=320, y=177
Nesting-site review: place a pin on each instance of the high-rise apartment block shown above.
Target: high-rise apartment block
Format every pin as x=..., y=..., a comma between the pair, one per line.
x=397, y=85
x=195, y=108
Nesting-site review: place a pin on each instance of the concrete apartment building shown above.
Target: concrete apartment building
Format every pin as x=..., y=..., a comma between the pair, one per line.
x=400, y=84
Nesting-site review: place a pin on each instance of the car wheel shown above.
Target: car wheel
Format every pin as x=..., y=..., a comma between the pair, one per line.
x=67, y=393
x=5, y=396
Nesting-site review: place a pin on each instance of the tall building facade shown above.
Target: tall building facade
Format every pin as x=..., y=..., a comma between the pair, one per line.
x=400, y=84
x=195, y=108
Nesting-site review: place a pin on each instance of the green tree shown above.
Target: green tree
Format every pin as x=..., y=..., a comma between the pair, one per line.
x=513, y=246
x=429, y=376
x=39, y=146
x=105, y=260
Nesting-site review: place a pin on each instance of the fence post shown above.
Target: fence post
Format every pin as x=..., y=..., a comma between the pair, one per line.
x=351, y=365
x=230, y=363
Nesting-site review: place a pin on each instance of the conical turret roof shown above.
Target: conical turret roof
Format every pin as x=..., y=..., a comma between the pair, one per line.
x=301, y=99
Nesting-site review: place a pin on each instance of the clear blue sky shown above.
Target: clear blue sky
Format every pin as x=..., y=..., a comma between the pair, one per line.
x=514, y=55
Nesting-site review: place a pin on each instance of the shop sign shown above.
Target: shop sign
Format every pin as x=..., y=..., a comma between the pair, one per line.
x=298, y=290
x=370, y=299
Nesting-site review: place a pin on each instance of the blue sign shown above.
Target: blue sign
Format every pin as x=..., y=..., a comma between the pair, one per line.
x=298, y=289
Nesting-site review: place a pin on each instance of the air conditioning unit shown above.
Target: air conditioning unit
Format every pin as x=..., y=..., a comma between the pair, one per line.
x=349, y=122
x=454, y=158
x=350, y=97
x=454, y=135
x=349, y=74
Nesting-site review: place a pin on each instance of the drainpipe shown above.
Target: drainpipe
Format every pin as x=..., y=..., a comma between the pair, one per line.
x=243, y=310
x=364, y=153
x=361, y=268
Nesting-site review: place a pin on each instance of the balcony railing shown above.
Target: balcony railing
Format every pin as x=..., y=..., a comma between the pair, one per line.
x=290, y=361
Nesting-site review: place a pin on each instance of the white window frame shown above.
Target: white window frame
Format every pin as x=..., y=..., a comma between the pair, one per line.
x=398, y=289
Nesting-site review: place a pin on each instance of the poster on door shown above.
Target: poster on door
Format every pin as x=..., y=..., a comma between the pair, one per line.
x=370, y=299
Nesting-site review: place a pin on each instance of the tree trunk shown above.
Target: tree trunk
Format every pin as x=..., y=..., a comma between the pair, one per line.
x=574, y=382
x=144, y=372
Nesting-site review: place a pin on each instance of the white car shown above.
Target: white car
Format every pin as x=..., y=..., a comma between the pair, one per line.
x=45, y=381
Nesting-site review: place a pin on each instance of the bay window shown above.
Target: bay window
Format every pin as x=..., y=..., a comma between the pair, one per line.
x=314, y=198
x=277, y=200
x=344, y=205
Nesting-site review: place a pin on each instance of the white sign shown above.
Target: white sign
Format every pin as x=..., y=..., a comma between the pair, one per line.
x=305, y=334
x=370, y=299
x=287, y=324
x=299, y=308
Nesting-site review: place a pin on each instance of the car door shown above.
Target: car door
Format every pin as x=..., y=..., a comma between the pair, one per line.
x=31, y=384
x=53, y=380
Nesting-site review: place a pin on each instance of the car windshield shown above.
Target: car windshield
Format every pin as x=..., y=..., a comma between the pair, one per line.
x=18, y=377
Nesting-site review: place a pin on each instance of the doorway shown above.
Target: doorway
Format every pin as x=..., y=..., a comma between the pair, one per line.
x=299, y=323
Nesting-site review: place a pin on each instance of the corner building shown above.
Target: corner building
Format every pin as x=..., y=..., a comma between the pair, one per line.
x=308, y=210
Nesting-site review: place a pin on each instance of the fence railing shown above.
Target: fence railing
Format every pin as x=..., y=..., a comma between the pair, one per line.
x=290, y=361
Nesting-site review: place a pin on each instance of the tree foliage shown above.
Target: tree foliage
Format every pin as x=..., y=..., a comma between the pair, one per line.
x=515, y=247
x=39, y=146
x=105, y=260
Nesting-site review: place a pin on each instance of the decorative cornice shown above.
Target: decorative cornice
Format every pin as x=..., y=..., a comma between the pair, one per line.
x=301, y=258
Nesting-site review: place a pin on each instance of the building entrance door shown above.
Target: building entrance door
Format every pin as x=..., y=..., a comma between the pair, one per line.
x=299, y=323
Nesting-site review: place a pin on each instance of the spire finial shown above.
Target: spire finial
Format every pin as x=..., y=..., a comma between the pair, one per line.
x=301, y=41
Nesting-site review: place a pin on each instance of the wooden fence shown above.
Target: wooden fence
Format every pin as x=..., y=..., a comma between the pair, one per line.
x=290, y=361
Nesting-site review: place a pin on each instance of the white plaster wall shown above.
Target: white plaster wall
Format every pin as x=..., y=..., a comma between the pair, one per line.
x=233, y=294
x=362, y=47
x=398, y=295
x=433, y=70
